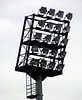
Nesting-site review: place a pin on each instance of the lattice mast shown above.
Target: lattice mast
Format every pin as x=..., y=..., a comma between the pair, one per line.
x=42, y=48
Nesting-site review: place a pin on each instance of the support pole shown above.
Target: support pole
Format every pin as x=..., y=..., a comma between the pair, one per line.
x=39, y=87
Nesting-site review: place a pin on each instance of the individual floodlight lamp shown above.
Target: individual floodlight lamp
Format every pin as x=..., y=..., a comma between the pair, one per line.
x=69, y=16
x=60, y=14
x=43, y=63
x=60, y=67
x=34, y=48
x=58, y=27
x=34, y=62
x=64, y=41
x=56, y=39
x=47, y=38
x=51, y=65
x=67, y=29
x=62, y=54
x=54, y=52
x=51, y=12
x=43, y=10
x=45, y=50
x=41, y=23
x=38, y=36
x=50, y=25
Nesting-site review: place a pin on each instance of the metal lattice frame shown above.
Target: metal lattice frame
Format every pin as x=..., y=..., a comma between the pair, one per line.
x=27, y=41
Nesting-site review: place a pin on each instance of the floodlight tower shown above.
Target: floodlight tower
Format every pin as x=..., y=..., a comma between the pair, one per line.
x=42, y=48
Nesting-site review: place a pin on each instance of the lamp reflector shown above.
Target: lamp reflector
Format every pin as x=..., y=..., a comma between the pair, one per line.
x=57, y=39
x=58, y=27
x=69, y=16
x=62, y=54
x=64, y=41
x=47, y=38
x=60, y=67
x=51, y=12
x=41, y=23
x=45, y=50
x=43, y=10
x=50, y=25
x=34, y=48
x=54, y=52
x=60, y=14
x=38, y=36
x=51, y=65
x=34, y=62
x=67, y=28
x=43, y=63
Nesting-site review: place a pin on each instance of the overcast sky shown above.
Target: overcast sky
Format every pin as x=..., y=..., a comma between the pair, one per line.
x=12, y=84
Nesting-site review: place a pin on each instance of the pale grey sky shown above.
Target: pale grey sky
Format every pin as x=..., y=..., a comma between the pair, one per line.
x=12, y=84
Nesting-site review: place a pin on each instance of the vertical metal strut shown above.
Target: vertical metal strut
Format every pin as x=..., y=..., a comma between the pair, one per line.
x=39, y=87
x=21, y=42
x=31, y=29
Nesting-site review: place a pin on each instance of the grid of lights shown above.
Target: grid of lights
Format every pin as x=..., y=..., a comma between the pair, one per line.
x=59, y=41
x=51, y=12
x=44, y=44
x=53, y=27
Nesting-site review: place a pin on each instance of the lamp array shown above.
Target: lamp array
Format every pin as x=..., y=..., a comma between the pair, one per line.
x=62, y=28
x=51, y=12
x=50, y=38
x=46, y=64
x=42, y=63
x=46, y=52
x=49, y=29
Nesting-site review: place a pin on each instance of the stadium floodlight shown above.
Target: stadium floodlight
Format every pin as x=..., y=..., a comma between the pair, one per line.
x=45, y=50
x=42, y=48
x=49, y=25
x=34, y=62
x=60, y=14
x=43, y=63
x=43, y=10
x=62, y=54
x=51, y=12
x=38, y=36
x=47, y=38
x=60, y=67
x=67, y=29
x=69, y=16
x=58, y=27
x=34, y=48
x=54, y=52
x=64, y=41
x=41, y=23
x=51, y=65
